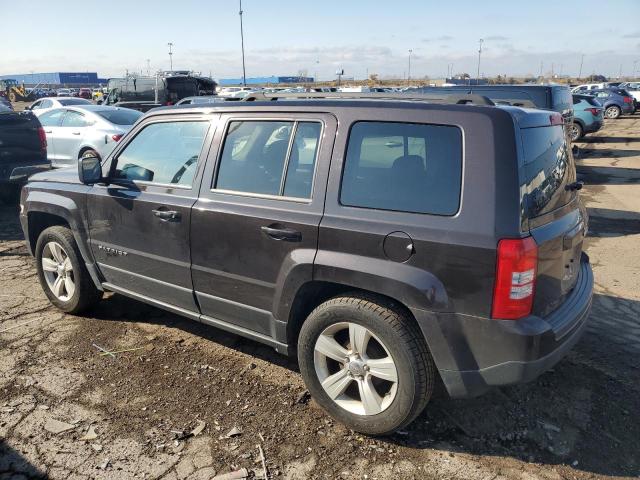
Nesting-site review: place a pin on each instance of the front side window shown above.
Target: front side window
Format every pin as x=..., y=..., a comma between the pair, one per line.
x=403, y=167
x=262, y=157
x=165, y=153
x=52, y=118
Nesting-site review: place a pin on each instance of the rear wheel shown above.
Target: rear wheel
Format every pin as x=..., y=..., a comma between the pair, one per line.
x=612, y=112
x=366, y=364
x=575, y=132
x=62, y=273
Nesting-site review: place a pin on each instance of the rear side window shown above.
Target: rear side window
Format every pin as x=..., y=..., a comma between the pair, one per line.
x=404, y=167
x=74, y=119
x=548, y=166
x=269, y=158
x=120, y=117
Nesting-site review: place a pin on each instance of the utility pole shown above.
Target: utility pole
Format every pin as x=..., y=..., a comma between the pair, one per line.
x=409, y=71
x=315, y=77
x=635, y=62
x=244, y=73
x=581, y=62
x=620, y=72
x=148, y=67
x=541, y=67
x=479, y=54
x=170, y=45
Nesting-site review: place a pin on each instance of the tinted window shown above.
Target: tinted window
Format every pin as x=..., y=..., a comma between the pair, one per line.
x=52, y=118
x=74, y=119
x=548, y=165
x=68, y=102
x=302, y=161
x=164, y=153
x=120, y=117
x=253, y=157
x=404, y=167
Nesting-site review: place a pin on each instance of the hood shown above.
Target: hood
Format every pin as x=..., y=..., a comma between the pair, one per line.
x=60, y=175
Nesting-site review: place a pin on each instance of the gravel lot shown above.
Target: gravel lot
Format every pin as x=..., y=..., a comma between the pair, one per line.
x=130, y=416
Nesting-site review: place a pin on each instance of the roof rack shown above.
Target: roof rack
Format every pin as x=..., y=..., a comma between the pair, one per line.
x=456, y=98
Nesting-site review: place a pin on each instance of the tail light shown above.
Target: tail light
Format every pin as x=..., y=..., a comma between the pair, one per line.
x=43, y=140
x=593, y=111
x=116, y=138
x=627, y=100
x=556, y=119
x=515, y=278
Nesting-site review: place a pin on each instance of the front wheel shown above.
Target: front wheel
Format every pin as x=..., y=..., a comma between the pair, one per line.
x=612, y=112
x=62, y=273
x=366, y=364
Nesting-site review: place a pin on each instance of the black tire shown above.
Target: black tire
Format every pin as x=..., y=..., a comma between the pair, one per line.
x=576, y=132
x=405, y=343
x=612, y=112
x=86, y=294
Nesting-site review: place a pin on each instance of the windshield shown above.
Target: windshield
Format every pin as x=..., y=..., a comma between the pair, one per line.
x=123, y=116
x=74, y=101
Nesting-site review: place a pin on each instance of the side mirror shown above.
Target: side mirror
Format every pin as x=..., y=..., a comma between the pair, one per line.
x=89, y=170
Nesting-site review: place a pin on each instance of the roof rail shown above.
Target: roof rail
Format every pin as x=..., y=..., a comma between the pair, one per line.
x=444, y=97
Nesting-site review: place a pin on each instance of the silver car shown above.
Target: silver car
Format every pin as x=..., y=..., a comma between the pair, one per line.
x=49, y=103
x=87, y=130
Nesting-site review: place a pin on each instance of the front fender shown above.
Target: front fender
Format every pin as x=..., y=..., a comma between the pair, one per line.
x=63, y=207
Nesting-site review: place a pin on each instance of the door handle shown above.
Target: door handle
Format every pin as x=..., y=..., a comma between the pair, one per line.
x=47, y=131
x=280, y=233
x=167, y=215
x=75, y=133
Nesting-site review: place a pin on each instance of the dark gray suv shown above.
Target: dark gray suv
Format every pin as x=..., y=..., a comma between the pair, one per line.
x=387, y=243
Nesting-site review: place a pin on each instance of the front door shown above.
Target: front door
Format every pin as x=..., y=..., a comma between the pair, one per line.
x=139, y=223
x=50, y=122
x=255, y=225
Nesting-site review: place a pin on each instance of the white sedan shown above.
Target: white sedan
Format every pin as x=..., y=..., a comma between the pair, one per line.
x=49, y=103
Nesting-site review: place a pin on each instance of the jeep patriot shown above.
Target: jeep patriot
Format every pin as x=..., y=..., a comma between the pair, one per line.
x=388, y=243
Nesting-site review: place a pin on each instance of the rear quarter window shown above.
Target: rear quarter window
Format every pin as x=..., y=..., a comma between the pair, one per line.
x=405, y=167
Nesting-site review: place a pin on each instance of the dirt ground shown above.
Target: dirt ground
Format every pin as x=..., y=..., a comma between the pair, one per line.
x=131, y=415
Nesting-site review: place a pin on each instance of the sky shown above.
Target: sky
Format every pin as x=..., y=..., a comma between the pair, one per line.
x=283, y=37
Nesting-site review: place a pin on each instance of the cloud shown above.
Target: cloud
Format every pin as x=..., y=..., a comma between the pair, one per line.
x=494, y=38
x=632, y=35
x=442, y=38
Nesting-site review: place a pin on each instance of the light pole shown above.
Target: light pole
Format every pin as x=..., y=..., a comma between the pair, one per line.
x=244, y=73
x=581, y=62
x=315, y=77
x=479, y=55
x=148, y=67
x=635, y=62
x=409, y=70
x=170, y=45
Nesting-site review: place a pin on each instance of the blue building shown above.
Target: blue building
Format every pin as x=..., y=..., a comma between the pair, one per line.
x=262, y=80
x=57, y=78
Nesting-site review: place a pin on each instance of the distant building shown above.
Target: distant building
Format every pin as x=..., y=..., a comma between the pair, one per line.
x=57, y=78
x=262, y=80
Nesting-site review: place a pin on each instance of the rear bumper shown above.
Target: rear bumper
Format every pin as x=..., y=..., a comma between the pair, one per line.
x=20, y=173
x=474, y=354
x=593, y=126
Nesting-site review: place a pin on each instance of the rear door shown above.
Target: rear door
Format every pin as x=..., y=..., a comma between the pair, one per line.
x=557, y=219
x=68, y=138
x=256, y=224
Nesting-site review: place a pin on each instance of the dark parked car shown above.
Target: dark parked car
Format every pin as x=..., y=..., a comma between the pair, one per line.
x=23, y=151
x=85, y=93
x=4, y=102
x=145, y=93
x=615, y=102
x=587, y=116
x=547, y=97
x=386, y=243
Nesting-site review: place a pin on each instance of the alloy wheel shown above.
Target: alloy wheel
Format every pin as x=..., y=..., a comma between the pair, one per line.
x=355, y=368
x=58, y=271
